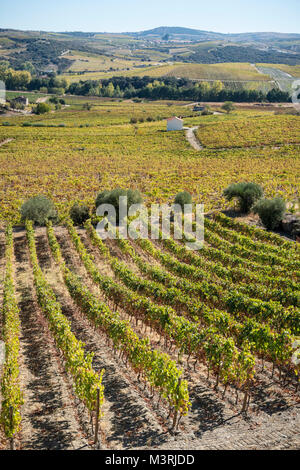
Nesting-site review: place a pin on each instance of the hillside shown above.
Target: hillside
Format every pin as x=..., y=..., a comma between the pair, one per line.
x=50, y=51
x=195, y=34
x=197, y=340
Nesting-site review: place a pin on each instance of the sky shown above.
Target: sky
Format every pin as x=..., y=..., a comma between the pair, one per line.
x=234, y=16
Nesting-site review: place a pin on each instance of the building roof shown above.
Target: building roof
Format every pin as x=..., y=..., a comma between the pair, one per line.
x=174, y=117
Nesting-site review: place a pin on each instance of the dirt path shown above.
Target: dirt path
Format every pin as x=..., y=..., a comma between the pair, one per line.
x=48, y=415
x=43, y=99
x=191, y=137
x=6, y=141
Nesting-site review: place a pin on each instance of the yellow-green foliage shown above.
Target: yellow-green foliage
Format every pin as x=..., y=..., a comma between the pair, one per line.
x=72, y=163
x=226, y=71
x=100, y=68
x=99, y=63
x=250, y=131
x=10, y=418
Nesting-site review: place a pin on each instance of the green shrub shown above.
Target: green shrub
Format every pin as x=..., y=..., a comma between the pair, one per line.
x=39, y=209
x=42, y=108
x=100, y=199
x=270, y=211
x=183, y=198
x=79, y=213
x=246, y=193
x=228, y=106
x=112, y=197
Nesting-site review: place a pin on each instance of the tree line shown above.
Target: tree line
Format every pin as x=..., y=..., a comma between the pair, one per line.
x=166, y=88
x=171, y=88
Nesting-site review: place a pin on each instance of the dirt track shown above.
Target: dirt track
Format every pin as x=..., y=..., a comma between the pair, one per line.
x=191, y=137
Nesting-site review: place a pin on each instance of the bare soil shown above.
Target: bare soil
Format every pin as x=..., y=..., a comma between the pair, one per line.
x=213, y=414
x=48, y=415
x=51, y=416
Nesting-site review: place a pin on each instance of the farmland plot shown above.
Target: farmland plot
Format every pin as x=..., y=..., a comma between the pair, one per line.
x=218, y=312
x=73, y=163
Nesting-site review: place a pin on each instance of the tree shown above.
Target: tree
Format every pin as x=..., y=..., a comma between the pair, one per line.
x=113, y=198
x=109, y=90
x=29, y=67
x=100, y=199
x=183, y=198
x=39, y=209
x=14, y=79
x=4, y=64
x=270, y=211
x=246, y=193
x=228, y=106
x=42, y=108
x=79, y=213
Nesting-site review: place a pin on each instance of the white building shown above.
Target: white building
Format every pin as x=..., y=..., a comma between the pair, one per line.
x=174, y=124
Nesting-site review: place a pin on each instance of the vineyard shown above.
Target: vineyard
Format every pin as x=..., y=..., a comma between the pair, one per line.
x=73, y=152
x=128, y=344
x=251, y=132
x=234, y=76
x=145, y=344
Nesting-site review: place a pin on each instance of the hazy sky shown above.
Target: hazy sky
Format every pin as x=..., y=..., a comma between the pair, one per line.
x=135, y=15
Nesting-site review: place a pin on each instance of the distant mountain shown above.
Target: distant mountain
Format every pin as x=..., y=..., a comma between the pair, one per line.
x=195, y=34
x=175, y=31
x=46, y=50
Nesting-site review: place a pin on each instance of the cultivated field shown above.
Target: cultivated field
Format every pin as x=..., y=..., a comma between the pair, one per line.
x=233, y=75
x=188, y=350
x=250, y=131
x=74, y=153
x=183, y=339
x=227, y=72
